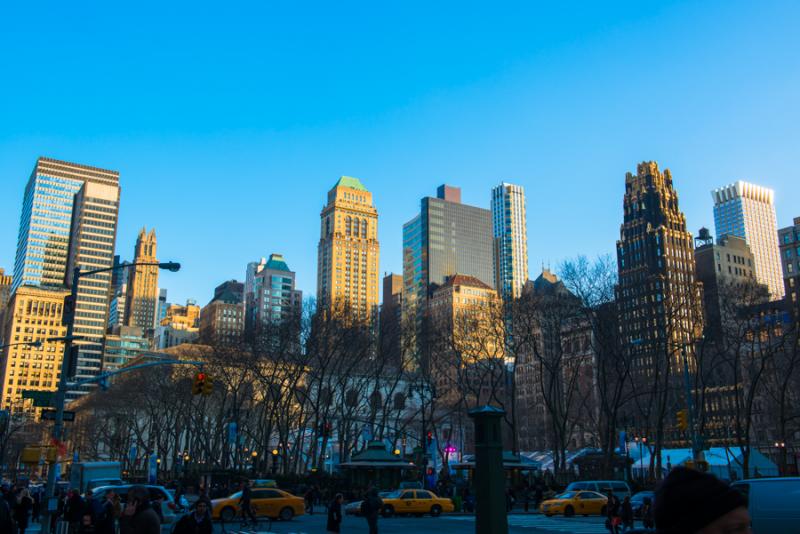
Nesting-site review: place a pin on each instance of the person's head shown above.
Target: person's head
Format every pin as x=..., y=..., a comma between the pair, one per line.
x=138, y=495
x=88, y=494
x=201, y=507
x=25, y=493
x=691, y=502
x=110, y=495
x=339, y=498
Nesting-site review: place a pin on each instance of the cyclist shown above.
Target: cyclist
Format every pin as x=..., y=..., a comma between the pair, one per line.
x=244, y=502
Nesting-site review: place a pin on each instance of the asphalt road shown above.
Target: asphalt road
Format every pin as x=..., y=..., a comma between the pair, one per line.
x=518, y=524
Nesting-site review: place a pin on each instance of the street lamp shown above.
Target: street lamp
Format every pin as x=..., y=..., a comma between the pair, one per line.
x=781, y=446
x=58, y=423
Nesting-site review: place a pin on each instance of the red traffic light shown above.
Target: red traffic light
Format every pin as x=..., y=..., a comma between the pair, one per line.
x=201, y=376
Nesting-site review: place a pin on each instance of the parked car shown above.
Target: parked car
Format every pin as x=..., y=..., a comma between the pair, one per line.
x=354, y=507
x=619, y=487
x=270, y=502
x=416, y=502
x=774, y=504
x=570, y=503
x=638, y=500
x=169, y=509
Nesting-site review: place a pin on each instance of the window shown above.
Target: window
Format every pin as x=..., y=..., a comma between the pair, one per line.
x=423, y=495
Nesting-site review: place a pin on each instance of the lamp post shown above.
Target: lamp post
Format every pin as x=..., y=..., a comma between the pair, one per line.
x=58, y=423
x=254, y=456
x=781, y=446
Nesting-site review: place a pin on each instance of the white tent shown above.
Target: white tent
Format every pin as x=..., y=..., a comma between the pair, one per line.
x=724, y=462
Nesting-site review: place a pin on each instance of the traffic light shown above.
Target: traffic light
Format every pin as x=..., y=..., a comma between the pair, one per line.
x=199, y=385
x=683, y=419
x=208, y=385
x=429, y=439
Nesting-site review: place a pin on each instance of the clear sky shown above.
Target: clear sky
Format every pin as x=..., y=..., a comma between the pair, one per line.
x=230, y=121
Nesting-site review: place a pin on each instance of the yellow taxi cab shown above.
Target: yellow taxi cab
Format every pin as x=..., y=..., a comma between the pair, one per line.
x=415, y=501
x=270, y=502
x=570, y=503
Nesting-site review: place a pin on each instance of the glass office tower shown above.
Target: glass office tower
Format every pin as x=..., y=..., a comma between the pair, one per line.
x=510, y=232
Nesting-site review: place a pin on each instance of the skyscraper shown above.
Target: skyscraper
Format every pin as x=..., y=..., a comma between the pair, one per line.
x=222, y=319
x=5, y=295
x=141, y=302
x=789, y=239
x=273, y=297
x=44, y=229
x=747, y=210
x=91, y=246
x=348, y=252
x=658, y=297
x=446, y=238
x=391, y=318
x=510, y=232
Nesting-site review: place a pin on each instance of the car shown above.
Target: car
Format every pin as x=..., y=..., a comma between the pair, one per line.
x=270, y=502
x=773, y=503
x=354, y=507
x=183, y=503
x=416, y=502
x=619, y=487
x=570, y=503
x=168, y=509
x=638, y=500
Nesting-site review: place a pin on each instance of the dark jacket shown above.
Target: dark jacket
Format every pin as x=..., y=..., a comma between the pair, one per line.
x=104, y=519
x=371, y=506
x=73, y=509
x=22, y=510
x=334, y=516
x=189, y=524
x=626, y=512
x=144, y=521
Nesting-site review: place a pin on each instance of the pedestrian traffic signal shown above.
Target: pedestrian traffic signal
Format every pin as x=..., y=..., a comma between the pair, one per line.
x=683, y=419
x=199, y=385
x=208, y=385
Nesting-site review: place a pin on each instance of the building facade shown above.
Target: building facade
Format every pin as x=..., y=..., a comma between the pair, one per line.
x=45, y=223
x=271, y=296
x=123, y=344
x=789, y=239
x=748, y=211
x=510, y=232
x=181, y=324
x=721, y=267
x=391, y=325
x=5, y=295
x=92, y=241
x=348, y=252
x=446, y=238
x=222, y=319
x=141, y=301
x=658, y=297
x=34, y=314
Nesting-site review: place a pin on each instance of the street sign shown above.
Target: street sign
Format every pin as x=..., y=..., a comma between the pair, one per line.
x=50, y=415
x=42, y=399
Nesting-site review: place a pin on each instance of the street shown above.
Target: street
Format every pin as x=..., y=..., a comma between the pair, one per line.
x=518, y=523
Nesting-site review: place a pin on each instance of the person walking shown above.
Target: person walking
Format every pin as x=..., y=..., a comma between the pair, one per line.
x=370, y=509
x=613, y=520
x=647, y=513
x=73, y=510
x=105, y=517
x=245, y=501
x=22, y=510
x=139, y=516
x=626, y=514
x=309, y=498
x=196, y=522
x=335, y=514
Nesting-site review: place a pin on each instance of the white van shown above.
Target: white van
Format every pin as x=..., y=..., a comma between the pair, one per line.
x=774, y=504
x=619, y=487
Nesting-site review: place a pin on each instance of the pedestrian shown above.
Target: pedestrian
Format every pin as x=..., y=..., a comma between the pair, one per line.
x=694, y=502
x=371, y=506
x=245, y=501
x=23, y=508
x=509, y=500
x=626, y=514
x=105, y=517
x=73, y=510
x=6, y=520
x=335, y=514
x=309, y=498
x=647, y=513
x=613, y=519
x=139, y=516
x=197, y=521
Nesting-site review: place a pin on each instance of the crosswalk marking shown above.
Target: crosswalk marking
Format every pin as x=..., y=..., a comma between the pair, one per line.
x=556, y=524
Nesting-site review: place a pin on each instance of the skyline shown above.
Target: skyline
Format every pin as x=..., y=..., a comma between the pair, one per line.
x=545, y=98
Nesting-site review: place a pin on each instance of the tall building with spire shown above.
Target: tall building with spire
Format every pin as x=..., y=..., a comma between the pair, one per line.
x=510, y=232
x=348, y=252
x=747, y=210
x=658, y=296
x=141, y=301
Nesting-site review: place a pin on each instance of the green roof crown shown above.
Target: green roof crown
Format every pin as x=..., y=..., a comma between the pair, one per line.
x=277, y=263
x=352, y=183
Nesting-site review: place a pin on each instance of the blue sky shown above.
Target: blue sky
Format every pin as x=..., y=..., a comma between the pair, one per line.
x=229, y=123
